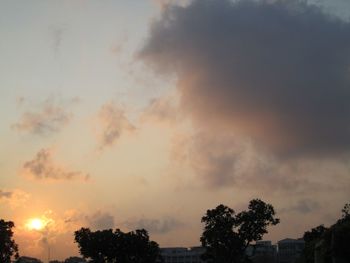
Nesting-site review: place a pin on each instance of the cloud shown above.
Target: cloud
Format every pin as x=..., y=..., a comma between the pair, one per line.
x=163, y=109
x=43, y=167
x=304, y=206
x=14, y=198
x=97, y=221
x=49, y=119
x=56, y=34
x=156, y=226
x=215, y=159
x=5, y=194
x=101, y=220
x=112, y=123
x=163, y=4
x=215, y=162
x=277, y=72
x=225, y=161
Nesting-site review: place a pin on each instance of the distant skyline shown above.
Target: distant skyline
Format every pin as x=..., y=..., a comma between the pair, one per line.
x=144, y=114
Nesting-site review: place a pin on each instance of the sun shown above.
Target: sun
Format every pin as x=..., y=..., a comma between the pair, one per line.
x=35, y=224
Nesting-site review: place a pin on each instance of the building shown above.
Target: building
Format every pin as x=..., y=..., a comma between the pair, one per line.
x=182, y=255
x=263, y=252
x=289, y=250
x=75, y=260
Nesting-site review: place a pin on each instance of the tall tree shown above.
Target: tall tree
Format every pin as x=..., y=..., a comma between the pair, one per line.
x=117, y=246
x=8, y=247
x=226, y=235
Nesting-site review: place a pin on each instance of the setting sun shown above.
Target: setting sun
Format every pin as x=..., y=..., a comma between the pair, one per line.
x=35, y=224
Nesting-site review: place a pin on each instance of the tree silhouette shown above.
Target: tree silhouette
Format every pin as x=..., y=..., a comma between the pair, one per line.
x=8, y=247
x=330, y=244
x=116, y=246
x=227, y=235
x=311, y=239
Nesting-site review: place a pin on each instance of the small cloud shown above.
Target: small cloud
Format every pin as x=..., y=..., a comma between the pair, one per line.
x=119, y=46
x=5, y=194
x=101, y=220
x=56, y=34
x=156, y=226
x=163, y=109
x=112, y=123
x=163, y=4
x=49, y=119
x=14, y=198
x=304, y=206
x=97, y=221
x=42, y=167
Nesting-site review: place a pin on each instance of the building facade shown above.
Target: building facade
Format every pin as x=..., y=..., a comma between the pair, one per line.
x=289, y=250
x=263, y=252
x=182, y=255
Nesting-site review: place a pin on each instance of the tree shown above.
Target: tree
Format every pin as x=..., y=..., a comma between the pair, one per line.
x=8, y=247
x=226, y=235
x=117, y=246
x=330, y=244
x=312, y=238
x=28, y=259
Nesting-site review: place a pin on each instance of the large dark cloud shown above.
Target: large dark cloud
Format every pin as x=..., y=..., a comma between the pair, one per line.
x=275, y=71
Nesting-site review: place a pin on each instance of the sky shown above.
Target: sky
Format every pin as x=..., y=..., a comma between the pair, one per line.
x=146, y=113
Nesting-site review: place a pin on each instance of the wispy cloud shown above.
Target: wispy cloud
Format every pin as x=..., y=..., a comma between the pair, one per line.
x=164, y=3
x=163, y=109
x=98, y=220
x=111, y=124
x=303, y=206
x=155, y=226
x=101, y=220
x=50, y=118
x=56, y=35
x=14, y=198
x=5, y=194
x=43, y=167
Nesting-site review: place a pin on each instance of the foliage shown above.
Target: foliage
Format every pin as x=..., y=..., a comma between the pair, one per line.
x=28, y=259
x=116, y=246
x=329, y=243
x=226, y=235
x=8, y=247
x=74, y=260
x=312, y=238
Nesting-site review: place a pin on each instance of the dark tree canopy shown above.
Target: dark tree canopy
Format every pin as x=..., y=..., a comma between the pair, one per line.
x=330, y=244
x=8, y=247
x=117, y=246
x=226, y=235
x=311, y=239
